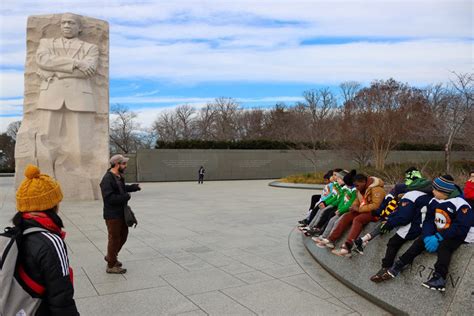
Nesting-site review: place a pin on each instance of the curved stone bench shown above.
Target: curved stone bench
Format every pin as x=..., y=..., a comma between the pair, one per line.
x=286, y=185
x=404, y=294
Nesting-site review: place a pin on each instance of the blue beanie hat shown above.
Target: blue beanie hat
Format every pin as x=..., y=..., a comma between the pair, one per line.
x=444, y=184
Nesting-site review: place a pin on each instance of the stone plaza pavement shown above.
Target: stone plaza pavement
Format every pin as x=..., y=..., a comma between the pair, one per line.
x=221, y=248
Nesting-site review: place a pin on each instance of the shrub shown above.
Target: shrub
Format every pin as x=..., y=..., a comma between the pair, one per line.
x=241, y=144
x=306, y=178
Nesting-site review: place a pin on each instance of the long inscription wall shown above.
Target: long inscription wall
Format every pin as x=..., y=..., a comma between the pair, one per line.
x=183, y=164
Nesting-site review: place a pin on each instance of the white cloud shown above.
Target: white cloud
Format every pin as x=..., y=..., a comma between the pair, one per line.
x=195, y=101
x=11, y=84
x=414, y=61
x=11, y=106
x=157, y=39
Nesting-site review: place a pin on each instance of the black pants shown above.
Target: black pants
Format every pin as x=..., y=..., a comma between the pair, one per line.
x=326, y=217
x=445, y=251
x=313, y=207
x=394, y=244
x=201, y=178
x=314, y=199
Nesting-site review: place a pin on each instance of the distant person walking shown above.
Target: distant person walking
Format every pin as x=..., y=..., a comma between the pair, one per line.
x=115, y=194
x=201, y=174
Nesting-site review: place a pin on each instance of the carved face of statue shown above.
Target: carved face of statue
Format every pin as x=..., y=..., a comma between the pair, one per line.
x=70, y=26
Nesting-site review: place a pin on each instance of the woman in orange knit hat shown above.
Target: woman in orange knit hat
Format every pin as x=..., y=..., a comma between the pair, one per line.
x=43, y=263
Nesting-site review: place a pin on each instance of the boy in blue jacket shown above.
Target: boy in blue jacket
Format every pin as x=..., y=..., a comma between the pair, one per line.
x=410, y=209
x=445, y=228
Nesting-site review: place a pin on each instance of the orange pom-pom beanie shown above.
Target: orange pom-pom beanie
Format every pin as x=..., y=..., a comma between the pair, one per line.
x=37, y=192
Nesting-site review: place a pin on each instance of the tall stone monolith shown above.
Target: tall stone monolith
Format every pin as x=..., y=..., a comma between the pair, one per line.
x=64, y=129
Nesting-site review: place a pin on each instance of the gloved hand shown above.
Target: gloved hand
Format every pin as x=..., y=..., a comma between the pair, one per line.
x=431, y=243
x=440, y=238
x=384, y=229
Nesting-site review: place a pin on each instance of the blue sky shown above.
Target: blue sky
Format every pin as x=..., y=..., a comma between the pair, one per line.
x=167, y=53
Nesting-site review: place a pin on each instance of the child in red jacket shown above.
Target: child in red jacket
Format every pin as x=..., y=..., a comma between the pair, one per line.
x=469, y=189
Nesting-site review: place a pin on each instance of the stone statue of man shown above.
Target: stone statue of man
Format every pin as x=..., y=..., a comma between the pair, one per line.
x=64, y=129
x=66, y=103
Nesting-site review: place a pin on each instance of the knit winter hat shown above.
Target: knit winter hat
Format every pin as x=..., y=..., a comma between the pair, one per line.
x=341, y=174
x=411, y=174
x=444, y=184
x=37, y=192
x=349, y=178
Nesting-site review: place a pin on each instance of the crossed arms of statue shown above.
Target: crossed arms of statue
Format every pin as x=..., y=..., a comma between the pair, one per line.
x=83, y=65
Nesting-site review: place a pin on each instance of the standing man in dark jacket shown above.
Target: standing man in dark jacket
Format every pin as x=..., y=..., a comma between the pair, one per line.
x=115, y=194
x=201, y=172
x=43, y=265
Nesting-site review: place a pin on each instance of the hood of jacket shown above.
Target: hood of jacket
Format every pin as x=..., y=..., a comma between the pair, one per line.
x=374, y=182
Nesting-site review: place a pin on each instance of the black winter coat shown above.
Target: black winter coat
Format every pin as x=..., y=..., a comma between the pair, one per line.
x=43, y=256
x=115, y=198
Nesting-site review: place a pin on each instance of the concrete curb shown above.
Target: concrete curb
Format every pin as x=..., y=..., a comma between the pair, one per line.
x=279, y=184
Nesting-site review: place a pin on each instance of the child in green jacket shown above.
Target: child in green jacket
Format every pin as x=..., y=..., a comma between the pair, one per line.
x=344, y=202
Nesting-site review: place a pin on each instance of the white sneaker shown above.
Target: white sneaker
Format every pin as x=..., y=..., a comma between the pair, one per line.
x=324, y=242
x=342, y=252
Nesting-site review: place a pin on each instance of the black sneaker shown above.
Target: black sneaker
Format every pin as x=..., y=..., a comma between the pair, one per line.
x=437, y=282
x=315, y=232
x=303, y=222
x=395, y=269
x=358, y=246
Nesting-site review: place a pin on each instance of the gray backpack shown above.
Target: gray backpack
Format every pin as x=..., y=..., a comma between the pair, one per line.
x=14, y=299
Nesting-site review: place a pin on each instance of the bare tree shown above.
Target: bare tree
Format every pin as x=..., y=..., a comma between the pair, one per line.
x=459, y=110
x=7, y=152
x=185, y=118
x=315, y=114
x=125, y=131
x=205, y=122
x=388, y=111
x=13, y=128
x=226, y=111
x=166, y=127
x=349, y=90
x=250, y=124
x=320, y=105
x=279, y=124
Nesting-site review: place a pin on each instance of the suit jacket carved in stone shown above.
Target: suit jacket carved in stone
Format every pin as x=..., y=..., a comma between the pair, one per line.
x=61, y=82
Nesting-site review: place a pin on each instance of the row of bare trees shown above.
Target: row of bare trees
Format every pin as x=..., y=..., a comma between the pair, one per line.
x=366, y=122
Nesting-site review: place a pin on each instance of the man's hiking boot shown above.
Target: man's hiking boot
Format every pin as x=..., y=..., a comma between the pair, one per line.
x=116, y=270
x=117, y=264
x=437, y=282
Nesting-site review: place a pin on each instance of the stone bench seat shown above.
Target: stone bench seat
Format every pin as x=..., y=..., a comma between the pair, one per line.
x=404, y=294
